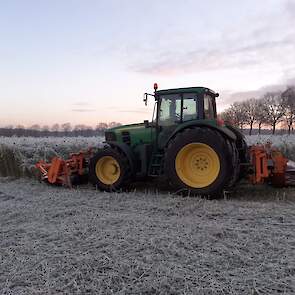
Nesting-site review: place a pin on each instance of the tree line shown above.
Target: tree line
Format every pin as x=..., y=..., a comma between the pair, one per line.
x=56, y=129
x=270, y=110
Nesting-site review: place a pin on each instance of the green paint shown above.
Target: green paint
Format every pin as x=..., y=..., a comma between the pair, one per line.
x=139, y=134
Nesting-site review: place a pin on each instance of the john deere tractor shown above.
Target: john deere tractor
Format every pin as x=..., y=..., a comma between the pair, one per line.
x=185, y=143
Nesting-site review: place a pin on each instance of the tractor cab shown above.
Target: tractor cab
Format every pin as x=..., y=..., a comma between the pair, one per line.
x=181, y=107
x=176, y=106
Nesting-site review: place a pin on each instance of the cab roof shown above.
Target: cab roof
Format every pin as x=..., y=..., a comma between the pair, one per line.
x=186, y=90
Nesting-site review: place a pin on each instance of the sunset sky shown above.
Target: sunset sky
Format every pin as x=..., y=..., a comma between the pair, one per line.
x=90, y=61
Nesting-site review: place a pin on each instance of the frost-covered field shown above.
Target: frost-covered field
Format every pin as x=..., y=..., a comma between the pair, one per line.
x=18, y=155
x=60, y=241
x=276, y=140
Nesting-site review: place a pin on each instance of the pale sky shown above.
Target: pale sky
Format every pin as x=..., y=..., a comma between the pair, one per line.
x=89, y=61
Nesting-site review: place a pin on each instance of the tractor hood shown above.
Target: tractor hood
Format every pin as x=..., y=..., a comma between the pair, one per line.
x=131, y=134
x=128, y=127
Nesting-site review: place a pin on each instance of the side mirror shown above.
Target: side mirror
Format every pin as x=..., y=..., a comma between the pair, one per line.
x=145, y=98
x=146, y=123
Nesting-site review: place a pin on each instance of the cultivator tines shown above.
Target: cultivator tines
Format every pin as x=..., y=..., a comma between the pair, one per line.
x=60, y=171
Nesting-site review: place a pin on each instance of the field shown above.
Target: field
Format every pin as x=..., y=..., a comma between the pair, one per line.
x=60, y=241
x=18, y=155
x=81, y=241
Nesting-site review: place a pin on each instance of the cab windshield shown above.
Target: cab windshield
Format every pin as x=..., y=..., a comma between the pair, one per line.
x=175, y=108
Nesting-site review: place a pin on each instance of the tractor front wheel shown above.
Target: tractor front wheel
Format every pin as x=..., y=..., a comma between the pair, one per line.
x=109, y=170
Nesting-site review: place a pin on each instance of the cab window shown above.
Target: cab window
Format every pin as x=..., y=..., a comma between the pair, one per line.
x=190, y=110
x=209, y=112
x=170, y=110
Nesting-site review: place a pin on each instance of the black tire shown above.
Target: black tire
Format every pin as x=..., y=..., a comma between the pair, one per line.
x=215, y=141
x=241, y=146
x=124, y=174
x=244, y=157
x=236, y=167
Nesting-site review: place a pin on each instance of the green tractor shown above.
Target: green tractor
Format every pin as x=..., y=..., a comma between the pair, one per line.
x=185, y=143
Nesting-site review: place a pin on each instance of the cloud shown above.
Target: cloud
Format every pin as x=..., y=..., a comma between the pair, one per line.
x=137, y=111
x=83, y=110
x=118, y=109
x=263, y=42
x=291, y=82
x=224, y=56
x=81, y=103
x=227, y=97
x=134, y=111
x=83, y=107
x=290, y=9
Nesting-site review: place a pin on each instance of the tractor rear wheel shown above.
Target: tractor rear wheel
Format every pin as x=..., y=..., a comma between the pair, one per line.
x=199, y=160
x=109, y=170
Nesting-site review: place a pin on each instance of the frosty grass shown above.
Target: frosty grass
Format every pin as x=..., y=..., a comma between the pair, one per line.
x=18, y=155
x=81, y=241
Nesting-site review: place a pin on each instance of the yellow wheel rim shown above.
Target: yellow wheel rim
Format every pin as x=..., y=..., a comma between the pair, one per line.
x=107, y=170
x=197, y=165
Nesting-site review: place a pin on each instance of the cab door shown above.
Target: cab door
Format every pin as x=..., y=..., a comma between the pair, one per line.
x=169, y=116
x=173, y=110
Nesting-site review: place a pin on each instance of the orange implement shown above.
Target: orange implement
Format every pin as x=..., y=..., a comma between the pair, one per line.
x=268, y=164
x=60, y=171
x=259, y=159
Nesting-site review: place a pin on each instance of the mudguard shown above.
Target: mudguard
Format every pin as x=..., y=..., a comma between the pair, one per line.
x=226, y=132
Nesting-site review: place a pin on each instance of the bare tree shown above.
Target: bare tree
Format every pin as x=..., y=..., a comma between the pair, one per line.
x=235, y=114
x=114, y=124
x=66, y=127
x=45, y=130
x=35, y=127
x=227, y=116
x=20, y=126
x=261, y=114
x=275, y=109
x=88, y=131
x=288, y=101
x=55, y=127
x=249, y=108
x=101, y=126
x=80, y=127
